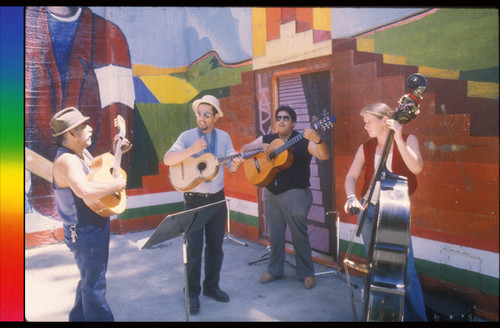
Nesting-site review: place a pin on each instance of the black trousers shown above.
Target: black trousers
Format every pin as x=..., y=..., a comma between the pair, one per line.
x=212, y=234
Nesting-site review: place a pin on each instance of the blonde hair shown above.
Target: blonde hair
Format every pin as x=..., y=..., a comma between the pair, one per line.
x=380, y=110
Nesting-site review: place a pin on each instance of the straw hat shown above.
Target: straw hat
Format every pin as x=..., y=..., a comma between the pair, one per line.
x=208, y=99
x=66, y=119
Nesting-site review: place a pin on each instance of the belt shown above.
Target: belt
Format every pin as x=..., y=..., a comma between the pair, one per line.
x=204, y=195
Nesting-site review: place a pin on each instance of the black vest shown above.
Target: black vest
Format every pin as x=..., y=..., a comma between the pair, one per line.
x=297, y=175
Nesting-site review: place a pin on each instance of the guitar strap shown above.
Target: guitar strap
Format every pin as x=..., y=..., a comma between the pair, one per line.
x=212, y=145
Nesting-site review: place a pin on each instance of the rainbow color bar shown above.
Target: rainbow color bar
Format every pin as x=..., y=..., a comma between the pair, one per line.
x=11, y=164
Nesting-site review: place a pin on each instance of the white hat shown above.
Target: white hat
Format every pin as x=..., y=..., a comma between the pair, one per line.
x=208, y=99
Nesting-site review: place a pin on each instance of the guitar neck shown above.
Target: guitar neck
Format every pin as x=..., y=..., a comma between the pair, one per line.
x=325, y=123
x=225, y=159
x=246, y=154
x=289, y=143
x=117, y=159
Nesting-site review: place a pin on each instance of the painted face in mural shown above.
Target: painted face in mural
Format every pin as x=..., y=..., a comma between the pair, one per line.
x=284, y=124
x=206, y=118
x=373, y=125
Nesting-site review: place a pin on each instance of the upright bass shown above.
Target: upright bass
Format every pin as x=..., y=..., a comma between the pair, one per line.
x=384, y=291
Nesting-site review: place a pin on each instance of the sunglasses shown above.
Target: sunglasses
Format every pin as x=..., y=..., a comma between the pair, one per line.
x=206, y=114
x=285, y=118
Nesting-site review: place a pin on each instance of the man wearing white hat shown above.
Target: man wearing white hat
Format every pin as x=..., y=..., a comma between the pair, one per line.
x=195, y=142
x=85, y=233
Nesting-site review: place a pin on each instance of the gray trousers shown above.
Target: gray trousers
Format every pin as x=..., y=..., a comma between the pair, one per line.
x=289, y=208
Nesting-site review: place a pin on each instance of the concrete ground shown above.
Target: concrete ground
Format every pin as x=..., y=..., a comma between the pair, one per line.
x=147, y=285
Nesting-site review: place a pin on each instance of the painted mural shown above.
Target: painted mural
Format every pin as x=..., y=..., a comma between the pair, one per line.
x=150, y=63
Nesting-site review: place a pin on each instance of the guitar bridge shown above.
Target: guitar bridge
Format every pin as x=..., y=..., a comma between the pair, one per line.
x=257, y=166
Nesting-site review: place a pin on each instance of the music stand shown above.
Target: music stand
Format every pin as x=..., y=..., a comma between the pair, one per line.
x=179, y=224
x=266, y=257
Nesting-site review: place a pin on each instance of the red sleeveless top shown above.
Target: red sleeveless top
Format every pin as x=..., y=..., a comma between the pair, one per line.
x=398, y=165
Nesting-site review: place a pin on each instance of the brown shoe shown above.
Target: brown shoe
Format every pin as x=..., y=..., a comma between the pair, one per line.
x=266, y=277
x=309, y=282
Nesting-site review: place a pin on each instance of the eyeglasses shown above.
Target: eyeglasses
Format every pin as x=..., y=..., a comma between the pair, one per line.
x=285, y=118
x=206, y=114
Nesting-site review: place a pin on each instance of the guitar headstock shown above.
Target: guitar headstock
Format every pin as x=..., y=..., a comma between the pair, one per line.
x=325, y=123
x=120, y=125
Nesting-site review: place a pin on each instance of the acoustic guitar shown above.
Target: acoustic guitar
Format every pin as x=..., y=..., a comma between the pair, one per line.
x=105, y=168
x=192, y=171
x=262, y=168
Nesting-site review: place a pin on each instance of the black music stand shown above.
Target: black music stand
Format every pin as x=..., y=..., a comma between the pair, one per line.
x=266, y=256
x=179, y=224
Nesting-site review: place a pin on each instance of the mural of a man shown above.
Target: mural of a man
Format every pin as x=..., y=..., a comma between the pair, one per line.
x=74, y=58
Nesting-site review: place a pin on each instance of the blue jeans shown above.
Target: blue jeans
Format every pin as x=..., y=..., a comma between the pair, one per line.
x=414, y=307
x=213, y=229
x=90, y=251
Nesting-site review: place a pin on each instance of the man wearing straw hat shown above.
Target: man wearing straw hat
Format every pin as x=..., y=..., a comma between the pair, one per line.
x=85, y=233
x=195, y=142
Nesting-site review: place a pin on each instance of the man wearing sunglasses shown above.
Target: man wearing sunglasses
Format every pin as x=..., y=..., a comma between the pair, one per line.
x=287, y=199
x=195, y=142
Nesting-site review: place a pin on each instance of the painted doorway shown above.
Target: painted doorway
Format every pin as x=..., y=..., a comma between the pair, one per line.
x=309, y=94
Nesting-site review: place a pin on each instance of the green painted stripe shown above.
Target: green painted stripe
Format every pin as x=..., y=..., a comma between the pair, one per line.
x=139, y=212
x=357, y=249
x=466, y=278
x=245, y=218
x=471, y=279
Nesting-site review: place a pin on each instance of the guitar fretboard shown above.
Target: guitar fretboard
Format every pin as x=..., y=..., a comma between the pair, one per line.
x=289, y=143
x=246, y=154
x=224, y=159
x=296, y=139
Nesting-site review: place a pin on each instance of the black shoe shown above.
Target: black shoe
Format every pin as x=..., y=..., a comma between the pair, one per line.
x=194, y=305
x=218, y=295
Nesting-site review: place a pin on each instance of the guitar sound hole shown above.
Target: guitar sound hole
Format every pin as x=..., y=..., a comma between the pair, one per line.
x=202, y=166
x=272, y=155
